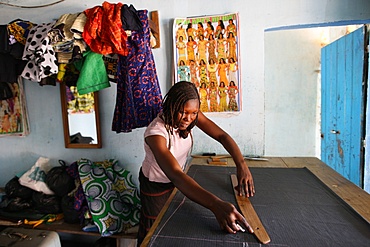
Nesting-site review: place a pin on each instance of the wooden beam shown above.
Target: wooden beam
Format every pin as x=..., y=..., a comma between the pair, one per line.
x=250, y=214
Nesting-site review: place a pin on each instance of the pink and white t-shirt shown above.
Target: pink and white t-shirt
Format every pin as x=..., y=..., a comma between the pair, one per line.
x=179, y=148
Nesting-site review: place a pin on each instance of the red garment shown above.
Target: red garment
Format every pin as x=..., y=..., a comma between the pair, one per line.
x=103, y=30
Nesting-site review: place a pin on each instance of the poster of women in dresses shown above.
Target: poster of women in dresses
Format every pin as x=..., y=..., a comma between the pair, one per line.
x=206, y=52
x=13, y=114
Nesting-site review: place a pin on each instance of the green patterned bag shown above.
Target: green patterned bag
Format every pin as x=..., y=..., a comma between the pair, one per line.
x=112, y=197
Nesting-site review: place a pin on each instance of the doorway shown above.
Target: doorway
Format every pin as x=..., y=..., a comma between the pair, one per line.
x=293, y=88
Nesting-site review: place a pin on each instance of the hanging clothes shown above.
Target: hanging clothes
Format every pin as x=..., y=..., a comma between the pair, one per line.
x=103, y=30
x=110, y=61
x=139, y=97
x=11, y=65
x=93, y=75
x=4, y=39
x=39, y=53
x=20, y=30
x=70, y=45
x=130, y=18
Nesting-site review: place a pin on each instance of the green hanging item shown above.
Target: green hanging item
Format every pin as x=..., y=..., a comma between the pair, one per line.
x=93, y=74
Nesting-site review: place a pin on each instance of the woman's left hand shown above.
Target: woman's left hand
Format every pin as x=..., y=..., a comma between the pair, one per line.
x=245, y=180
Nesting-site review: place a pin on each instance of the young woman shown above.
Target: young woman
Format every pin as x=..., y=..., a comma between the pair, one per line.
x=223, y=71
x=209, y=29
x=202, y=48
x=180, y=32
x=200, y=30
x=203, y=74
x=181, y=48
x=220, y=29
x=222, y=93
x=183, y=71
x=194, y=73
x=203, y=95
x=232, y=92
x=191, y=32
x=191, y=45
x=168, y=141
x=233, y=70
x=212, y=70
x=231, y=46
x=221, y=47
x=212, y=95
x=231, y=28
x=211, y=47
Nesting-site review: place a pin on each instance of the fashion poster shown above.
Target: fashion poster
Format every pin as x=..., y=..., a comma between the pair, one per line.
x=13, y=113
x=206, y=53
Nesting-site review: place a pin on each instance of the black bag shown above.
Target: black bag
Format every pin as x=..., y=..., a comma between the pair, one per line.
x=46, y=204
x=70, y=214
x=15, y=204
x=59, y=181
x=14, y=189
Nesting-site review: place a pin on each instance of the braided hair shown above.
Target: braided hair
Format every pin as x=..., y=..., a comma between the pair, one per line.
x=173, y=104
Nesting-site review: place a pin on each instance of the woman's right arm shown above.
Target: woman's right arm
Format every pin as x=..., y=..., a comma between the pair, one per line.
x=226, y=213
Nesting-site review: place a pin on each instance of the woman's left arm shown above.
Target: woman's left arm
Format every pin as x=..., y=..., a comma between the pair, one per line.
x=245, y=179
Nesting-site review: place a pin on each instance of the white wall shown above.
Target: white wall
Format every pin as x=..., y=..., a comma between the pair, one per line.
x=248, y=128
x=293, y=86
x=292, y=65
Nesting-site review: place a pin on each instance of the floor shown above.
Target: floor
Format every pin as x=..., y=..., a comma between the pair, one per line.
x=69, y=240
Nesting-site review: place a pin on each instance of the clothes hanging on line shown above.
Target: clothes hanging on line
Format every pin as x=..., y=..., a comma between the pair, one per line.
x=103, y=30
x=124, y=42
x=39, y=53
x=11, y=51
x=139, y=97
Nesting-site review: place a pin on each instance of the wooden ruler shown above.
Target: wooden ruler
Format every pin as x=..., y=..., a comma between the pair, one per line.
x=250, y=214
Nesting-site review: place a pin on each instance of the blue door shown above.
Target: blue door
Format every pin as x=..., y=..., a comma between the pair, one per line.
x=343, y=91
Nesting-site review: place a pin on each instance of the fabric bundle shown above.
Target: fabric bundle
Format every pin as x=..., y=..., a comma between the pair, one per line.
x=112, y=197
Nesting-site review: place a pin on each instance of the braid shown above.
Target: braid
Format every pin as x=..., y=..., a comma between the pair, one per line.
x=174, y=102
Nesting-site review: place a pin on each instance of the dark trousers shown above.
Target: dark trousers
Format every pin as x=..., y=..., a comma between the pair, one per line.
x=153, y=197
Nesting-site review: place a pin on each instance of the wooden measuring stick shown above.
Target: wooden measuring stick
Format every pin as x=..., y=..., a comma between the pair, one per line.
x=250, y=214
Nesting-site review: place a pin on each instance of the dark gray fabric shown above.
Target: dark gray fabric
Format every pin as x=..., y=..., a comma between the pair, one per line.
x=294, y=206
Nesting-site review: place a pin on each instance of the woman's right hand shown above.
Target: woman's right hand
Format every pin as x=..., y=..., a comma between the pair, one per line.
x=228, y=217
